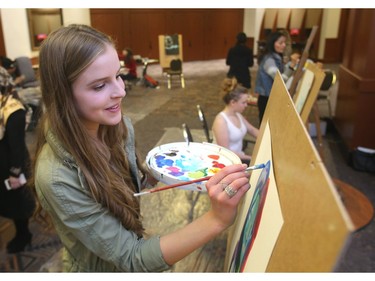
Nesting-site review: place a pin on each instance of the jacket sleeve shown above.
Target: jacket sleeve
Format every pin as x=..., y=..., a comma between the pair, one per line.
x=91, y=234
x=271, y=69
x=229, y=57
x=15, y=130
x=250, y=58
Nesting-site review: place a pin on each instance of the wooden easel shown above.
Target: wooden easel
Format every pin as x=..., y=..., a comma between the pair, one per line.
x=310, y=102
x=305, y=54
x=359, y=207
x=316, y=225
x=296, y=78
x=165, y=59
x=315, y=111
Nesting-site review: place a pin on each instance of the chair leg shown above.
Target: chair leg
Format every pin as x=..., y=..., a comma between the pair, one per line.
x=329, y=108
x=182, y=81
x=169, y=81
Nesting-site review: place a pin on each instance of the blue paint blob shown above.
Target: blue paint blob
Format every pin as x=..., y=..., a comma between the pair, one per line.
x=161, y=161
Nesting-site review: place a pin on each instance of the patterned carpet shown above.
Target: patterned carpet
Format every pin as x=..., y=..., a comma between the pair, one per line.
x=44, y=245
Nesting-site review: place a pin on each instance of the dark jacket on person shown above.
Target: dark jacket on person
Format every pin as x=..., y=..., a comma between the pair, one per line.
x=239, y=59
x=16, y=203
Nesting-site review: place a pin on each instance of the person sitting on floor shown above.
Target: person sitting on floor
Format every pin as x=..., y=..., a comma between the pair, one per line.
x=130, y=66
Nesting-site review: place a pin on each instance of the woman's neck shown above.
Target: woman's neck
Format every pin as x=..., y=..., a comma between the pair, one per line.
x=229, y=111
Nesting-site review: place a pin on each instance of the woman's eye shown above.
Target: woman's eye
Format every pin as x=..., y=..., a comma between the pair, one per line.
x=99, y=87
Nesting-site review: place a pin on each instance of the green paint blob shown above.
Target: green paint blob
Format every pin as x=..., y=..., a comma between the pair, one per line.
x=198, y=174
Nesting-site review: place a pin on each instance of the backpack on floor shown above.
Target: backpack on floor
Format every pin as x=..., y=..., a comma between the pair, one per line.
x=150, y=82
x=362, y=159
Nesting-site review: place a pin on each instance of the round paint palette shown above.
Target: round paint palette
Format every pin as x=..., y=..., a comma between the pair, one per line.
x=178, y=162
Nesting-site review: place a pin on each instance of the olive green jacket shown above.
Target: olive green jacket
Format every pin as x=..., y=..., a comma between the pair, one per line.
x=94, y=240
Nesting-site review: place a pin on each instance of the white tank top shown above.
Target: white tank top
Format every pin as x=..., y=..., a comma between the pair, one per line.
x=236, y=134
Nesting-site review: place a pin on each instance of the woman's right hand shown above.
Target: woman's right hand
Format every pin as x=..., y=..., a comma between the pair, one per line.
x=184, y=241
x=225, y=190
x=294, y=59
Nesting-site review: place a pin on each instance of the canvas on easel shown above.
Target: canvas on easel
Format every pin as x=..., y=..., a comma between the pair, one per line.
x=263, y=202
x=315, y=224
x=306, y=95
x=170, y=47
x=308, y=90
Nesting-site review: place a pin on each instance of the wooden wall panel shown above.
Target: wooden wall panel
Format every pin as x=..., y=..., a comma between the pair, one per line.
x=331, y=54
x=146, y=25
x=334, y=47
x=111, y=22
x=355, y=109
x=356, y=92
x=207, y=33
x=223, y=25
x=191, y=24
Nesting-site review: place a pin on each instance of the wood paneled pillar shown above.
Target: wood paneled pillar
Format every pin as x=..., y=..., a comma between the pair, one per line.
x=355, y=109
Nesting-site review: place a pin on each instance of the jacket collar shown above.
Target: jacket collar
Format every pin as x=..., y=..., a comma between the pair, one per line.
x=60, y=150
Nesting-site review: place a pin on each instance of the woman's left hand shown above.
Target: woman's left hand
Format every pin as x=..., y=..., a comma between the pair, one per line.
x=15, y=183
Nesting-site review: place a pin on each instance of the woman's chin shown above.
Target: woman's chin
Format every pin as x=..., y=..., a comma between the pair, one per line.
x=114, y=120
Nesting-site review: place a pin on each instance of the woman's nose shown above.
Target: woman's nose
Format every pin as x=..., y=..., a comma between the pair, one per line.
x=119, y=90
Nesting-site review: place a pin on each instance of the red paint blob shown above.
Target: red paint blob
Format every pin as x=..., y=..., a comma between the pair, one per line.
x=215, y=157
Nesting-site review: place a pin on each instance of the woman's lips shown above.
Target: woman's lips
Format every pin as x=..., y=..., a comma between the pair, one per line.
x=114, y=108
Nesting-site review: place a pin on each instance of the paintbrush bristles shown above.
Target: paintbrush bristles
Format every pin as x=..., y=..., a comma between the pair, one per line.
x=255, y=167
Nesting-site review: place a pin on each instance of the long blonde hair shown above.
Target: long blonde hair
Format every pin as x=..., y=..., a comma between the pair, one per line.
x=64, y=55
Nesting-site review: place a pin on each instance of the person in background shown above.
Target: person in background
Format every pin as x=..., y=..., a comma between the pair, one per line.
x=240, y=58
x=86, y=168
x=130, y=65
x=229, y=126
x=16, y=200
x=10, y=66
x=269, y=63
x=288, y=46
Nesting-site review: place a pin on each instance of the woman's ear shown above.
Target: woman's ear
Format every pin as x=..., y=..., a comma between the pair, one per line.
x=232, y=102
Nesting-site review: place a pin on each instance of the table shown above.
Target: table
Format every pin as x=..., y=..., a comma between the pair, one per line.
x=357, y=204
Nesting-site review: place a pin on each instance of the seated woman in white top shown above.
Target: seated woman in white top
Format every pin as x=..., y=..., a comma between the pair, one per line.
x=230, y=127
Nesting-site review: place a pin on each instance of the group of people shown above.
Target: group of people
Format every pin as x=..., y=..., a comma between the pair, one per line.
x=86, y=167
x=230, y=126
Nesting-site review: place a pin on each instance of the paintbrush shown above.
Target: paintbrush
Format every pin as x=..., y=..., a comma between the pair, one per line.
x=157, y=189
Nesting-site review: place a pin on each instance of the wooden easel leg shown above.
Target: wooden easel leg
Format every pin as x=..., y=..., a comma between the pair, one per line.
x=318, y=131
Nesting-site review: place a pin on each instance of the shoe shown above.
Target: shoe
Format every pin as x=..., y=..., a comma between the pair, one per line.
x=19, y=243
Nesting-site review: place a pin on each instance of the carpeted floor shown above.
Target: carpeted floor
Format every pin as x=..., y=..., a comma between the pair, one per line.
x=45, y=243
x=157, y=115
